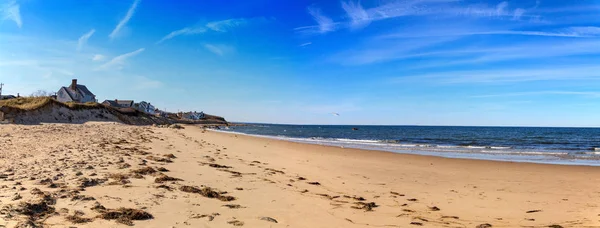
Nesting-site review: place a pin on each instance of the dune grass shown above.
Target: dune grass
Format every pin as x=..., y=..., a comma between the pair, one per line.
x=32, y=103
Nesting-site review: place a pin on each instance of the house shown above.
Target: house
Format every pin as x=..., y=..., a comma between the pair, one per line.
x=192, y=115
x=119, y=103
x=75, y=93
x=6, y=97
x=145, y=107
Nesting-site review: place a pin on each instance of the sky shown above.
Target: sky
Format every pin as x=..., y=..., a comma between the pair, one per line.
x=383, y=62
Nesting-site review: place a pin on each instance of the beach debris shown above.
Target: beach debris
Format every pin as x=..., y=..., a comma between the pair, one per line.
x=172, y=156
x=233, y=206
x=269, y=219
x=125, y=215
x=485, y=225
x=434, y=208
x=162, y=169
x=159, y=159
x=78, y=219
x=533, y=211
x=219, y=166
x=397, y=194
x=210, y=217
x=314, y=183
x=301, y=178
x=416, y=223
x=236, y=223
x=365, y=206
x=98, y=207
x=555, y=226
x=144, y=171
x=165, y=187
x=452, y=217
x=164, y=178
x=239, y=189
x=412, y=200
x=206, y=192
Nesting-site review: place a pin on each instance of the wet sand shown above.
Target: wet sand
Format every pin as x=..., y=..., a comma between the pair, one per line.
x=112, y=175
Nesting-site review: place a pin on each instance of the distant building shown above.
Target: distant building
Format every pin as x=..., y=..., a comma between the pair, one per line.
x=6, y=97
x=145, y=107
x=119, y=103
x=75, y=93
x=192, y=115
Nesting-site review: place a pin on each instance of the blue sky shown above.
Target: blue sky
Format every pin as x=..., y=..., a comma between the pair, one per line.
x=427, y=62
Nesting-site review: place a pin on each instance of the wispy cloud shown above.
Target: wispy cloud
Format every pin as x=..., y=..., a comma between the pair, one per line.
x=324, y=23
x=11, y=11
x=219, y=50
x=580, y=32
x=125, y=19
x=305, y=44
x=216, y=26
x=225, y=25
x=98, y=57
x=119, y=61
x=184, y=31
x=84, y=38
x=541, y=93
x=359, y=18
x=513, y=75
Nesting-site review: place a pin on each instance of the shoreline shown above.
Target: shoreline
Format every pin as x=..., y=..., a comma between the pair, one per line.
x=552, y=160
x=192, y=177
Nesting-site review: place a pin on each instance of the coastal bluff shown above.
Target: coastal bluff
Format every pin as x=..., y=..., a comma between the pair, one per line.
x=36, y=110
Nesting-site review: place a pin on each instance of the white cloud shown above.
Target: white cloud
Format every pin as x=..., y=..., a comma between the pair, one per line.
x=518, y=14
x=119, y=61
x=501, y=7
x=11, y=11
x=84, y=38
x=537, y=93
x=224, y=25
x=214, y=49
x=325, y=24
x=305, y=44
x=184, y=31
x=217, y=26
x=98, y=57
x=513, y=75
x=358, y=16
x=125, y=19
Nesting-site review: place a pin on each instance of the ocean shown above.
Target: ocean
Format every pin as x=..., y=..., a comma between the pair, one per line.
x=568, y=146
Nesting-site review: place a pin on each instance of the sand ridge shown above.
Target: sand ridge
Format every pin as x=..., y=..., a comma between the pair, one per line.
x=112, y=175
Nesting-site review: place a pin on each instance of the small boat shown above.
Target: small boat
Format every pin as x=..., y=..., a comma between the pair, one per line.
x=355, y=129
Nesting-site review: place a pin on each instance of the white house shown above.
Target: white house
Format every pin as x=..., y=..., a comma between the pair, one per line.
x=75, y=93
x=145, y=107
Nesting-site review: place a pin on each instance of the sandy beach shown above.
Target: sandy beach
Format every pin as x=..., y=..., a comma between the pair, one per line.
x=116, y=175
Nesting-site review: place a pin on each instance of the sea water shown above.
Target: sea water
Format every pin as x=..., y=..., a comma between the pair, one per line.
x=570, y=146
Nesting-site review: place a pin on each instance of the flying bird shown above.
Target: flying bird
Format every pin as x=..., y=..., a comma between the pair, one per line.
x=335, y=114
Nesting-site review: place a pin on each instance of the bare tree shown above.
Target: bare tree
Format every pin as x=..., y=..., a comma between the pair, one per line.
x=41, y=93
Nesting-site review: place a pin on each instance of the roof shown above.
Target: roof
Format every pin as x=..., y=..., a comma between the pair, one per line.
x=7, y=97
x=81, y=89
x=119, y=103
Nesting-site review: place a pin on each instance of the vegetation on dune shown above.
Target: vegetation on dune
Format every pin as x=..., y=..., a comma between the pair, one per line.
x=32, y=103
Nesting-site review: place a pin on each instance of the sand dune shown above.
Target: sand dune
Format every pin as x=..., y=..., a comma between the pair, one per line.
x=113, y=175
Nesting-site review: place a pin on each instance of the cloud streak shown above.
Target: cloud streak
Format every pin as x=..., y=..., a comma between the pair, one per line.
x=359, y=18
x=324, y=23
x=84, y=38
x=119, y=61
x=11, y=11
x=220, y=50
x=125, y=19
x=216, y=26
x=541, y=93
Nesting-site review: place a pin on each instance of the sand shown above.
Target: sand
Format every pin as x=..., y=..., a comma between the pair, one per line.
x=115, y=175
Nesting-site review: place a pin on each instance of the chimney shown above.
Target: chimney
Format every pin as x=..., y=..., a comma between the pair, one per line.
x=74, y=84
